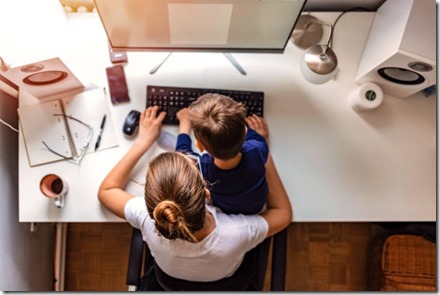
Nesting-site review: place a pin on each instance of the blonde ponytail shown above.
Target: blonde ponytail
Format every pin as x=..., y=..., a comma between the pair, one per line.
x=170, y=221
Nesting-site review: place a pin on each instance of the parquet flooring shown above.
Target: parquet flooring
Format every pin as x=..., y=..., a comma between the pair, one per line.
x=327, y=256
x=321, y=256
x=96, y=256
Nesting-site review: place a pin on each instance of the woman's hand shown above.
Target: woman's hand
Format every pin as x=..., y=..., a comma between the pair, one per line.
x=149, y=126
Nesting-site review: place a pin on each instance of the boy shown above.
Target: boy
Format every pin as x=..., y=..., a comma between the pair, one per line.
x=234, y=165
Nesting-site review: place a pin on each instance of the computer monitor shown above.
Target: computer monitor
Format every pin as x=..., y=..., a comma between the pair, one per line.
x=199, y=25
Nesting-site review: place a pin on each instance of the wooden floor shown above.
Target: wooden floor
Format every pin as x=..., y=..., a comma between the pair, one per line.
x=321, y=256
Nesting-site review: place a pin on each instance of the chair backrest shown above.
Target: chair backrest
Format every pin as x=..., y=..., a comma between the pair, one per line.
x=249, y=276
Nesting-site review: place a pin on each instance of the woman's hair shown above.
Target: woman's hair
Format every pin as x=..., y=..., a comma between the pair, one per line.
x=219, y=123
x=175, y=196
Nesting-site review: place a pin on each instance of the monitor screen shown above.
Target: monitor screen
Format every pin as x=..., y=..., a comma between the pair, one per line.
x=199, y=25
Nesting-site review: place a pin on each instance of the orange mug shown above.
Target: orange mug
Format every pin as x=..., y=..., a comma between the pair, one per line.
x=54, y=187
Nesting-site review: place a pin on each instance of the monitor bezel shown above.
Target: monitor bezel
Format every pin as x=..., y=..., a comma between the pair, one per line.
x=201, y=49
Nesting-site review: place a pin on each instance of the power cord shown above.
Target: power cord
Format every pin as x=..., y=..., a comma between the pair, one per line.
x=358, y=8
x=9, y=125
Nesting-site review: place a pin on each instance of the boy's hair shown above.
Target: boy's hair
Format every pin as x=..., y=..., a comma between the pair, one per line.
x=219, y=124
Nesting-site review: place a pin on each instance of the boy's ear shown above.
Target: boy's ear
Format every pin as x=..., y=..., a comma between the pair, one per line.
x=207, y=194
x=200, y=146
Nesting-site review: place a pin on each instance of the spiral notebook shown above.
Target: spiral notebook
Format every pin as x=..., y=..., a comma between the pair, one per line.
x=42, y=123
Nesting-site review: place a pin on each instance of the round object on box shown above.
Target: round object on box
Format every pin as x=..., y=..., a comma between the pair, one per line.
x=44, y=78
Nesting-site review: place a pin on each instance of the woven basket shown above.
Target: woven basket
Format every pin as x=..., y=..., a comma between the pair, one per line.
x=408, y=263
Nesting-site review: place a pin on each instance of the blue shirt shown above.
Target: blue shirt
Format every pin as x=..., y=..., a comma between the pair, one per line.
x=242, y=189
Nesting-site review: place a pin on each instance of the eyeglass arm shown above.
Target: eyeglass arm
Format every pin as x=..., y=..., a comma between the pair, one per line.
x=77, y=157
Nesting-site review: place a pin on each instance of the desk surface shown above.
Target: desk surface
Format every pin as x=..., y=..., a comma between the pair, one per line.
x=336, y=164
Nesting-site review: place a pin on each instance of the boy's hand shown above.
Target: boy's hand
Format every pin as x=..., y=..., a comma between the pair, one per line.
x=259, y=125
x=184, y=122
x=149, y=125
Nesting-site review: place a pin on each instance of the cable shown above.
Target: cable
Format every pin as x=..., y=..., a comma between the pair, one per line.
x=357, y=8
x=8, y=125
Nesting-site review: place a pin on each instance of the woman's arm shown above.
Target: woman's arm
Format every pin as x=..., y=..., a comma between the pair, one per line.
x=111, y=193
x=279, y=210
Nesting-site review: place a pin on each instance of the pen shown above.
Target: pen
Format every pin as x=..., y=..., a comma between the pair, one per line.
x=101, y=129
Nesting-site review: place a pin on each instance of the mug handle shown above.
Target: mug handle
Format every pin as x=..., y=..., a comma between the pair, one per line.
x=59, y=201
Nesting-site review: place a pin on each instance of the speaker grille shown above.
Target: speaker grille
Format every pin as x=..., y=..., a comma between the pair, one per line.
x=401, y=76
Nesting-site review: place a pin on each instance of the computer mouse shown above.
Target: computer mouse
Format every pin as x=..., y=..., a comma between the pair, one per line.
x=131, y=122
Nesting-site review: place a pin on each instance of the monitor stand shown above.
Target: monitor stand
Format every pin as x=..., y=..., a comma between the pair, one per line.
x=235, y=63
x=229, y=56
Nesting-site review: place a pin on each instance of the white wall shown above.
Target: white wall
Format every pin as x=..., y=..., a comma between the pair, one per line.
x=26, y=258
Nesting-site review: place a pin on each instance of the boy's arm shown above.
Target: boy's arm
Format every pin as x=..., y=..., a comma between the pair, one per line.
x=184, y=122
x=251, y=134
x=258, y=131
x=183, y=139
x=184, y=143
x=279, y=210
x=259, y=126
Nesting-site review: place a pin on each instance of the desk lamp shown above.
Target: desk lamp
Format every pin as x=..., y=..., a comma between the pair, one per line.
x=319, y=62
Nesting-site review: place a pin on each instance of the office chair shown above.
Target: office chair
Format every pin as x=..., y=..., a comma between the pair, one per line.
x=145, y=275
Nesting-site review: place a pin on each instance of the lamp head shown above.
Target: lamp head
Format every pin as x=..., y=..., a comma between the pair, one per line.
x=308, y=31
x=321, y=59
x=319, y=64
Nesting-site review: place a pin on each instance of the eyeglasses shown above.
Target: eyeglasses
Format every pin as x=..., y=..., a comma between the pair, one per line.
x=77, y=156
x=196, y=161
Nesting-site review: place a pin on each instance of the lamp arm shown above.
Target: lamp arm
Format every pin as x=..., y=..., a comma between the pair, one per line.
x=330, y=36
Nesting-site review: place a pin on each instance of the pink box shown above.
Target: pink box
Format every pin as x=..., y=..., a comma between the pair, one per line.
x=46, y=80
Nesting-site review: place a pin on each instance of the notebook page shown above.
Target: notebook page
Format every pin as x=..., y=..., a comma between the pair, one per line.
x=90, y=107
x=38, y=124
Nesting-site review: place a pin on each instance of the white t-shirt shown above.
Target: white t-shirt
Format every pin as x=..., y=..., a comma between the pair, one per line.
x=215, y=257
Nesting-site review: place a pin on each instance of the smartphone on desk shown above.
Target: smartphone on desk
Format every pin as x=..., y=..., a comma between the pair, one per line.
x=117, y=84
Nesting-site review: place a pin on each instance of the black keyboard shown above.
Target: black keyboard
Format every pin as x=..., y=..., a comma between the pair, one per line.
x=172, y=99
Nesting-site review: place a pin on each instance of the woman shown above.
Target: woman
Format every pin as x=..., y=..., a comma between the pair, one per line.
x=189, y=239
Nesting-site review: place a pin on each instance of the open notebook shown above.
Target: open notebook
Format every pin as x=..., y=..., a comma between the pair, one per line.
x=63, y=135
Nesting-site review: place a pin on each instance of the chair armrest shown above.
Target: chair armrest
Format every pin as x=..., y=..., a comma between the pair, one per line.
x=279, y=256
x=135, y=259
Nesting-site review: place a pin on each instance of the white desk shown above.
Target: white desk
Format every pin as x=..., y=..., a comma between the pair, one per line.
x=336, y=164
